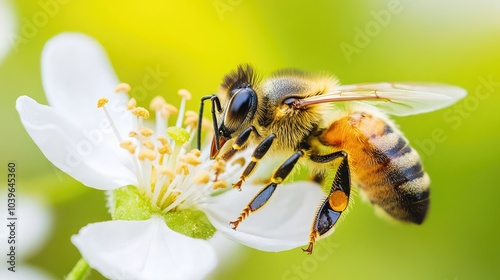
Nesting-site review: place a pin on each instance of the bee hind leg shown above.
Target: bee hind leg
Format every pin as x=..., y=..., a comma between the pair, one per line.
x=336, y=202
x=265, y=194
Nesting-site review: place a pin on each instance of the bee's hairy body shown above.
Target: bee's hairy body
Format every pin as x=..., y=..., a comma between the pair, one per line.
x=312, y=120
x=383, y=165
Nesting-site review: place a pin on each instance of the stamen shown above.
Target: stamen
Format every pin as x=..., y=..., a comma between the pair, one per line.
x=146, y=131
x=101, y=102
x=129, y=146
x=184, y=93
x=165, y=148
x=164, y=170
x=122, y=88
x=132, y=134
x=131, y=104
x=148, y=144
x=182, y=168
x=147, y=154
x=196, y=152
x=140, y=112
x=170, y=109
x=201, y=177
x=157, y=103
x=191, y=159
x=185, y=96
x=220, y=185
x=219, y=166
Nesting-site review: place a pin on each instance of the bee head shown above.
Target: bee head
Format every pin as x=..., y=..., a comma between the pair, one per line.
x=240, y=104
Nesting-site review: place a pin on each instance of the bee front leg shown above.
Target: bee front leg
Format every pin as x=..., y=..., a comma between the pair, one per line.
x=337, y=200
x=257, y=155
x=265, y=194
x=238, y=144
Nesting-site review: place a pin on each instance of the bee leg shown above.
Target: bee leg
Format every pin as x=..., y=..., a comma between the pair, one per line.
x=258, y=153
x=215, y=105
x=238, y=144
x=265, y=194
x=336, y=202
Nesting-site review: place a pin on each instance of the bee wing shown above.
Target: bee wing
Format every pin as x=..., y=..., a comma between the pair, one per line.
x=400, y=99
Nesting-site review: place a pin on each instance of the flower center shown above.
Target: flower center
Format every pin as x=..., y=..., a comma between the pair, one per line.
x=172, y=178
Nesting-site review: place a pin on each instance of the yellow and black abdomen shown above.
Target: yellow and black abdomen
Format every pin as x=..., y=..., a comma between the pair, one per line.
x=383, y=165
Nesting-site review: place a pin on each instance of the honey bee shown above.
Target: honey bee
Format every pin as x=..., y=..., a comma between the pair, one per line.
x=339, y=132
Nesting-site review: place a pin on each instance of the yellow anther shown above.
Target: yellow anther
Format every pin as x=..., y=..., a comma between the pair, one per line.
x=101, y=102
x=182, y=168
x=220, y=185
x=167, y=171
x=146, y=131
x=131, y=104
x=129, y=146
x=122, y=88
x=147, y=154
x=162, y=139
x=165, y=146
x=148, y=144
x=157, y=103
x=165, y=149
x=184, y=93
x=141, y=112
x=201, y=177
x=191, y=119
x=133, y=134
x=196, y=152
x=191, y=159
x=171, y=109
x=219, y=166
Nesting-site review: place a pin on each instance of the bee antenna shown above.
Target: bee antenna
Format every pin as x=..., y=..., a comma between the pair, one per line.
x=215, y=104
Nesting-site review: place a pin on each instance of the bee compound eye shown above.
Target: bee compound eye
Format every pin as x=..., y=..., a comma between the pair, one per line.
x=241, y=108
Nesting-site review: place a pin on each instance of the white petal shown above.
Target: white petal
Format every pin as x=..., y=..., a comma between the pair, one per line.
x=76, y=73
x=71, y=149
x=282, y=224
x=144, y=250
x=228, y=251
x=7, y=27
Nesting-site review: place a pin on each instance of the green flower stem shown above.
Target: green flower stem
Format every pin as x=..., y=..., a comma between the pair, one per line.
x=80, y=271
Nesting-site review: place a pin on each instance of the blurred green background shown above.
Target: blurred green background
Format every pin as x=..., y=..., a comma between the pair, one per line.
x=197, y=42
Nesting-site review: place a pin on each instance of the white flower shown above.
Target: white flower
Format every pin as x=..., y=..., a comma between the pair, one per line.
x=108, y=148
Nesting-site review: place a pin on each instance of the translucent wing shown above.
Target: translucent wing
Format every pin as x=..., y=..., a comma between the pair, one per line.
x=400, y=99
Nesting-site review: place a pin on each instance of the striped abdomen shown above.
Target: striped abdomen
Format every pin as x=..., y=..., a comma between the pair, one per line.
x=383, y=165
